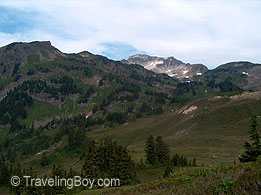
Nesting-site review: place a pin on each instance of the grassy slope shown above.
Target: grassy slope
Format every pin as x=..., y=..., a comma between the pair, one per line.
x=217, y=128
x=237, y=179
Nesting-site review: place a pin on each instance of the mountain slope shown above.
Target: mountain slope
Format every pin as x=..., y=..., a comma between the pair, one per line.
x=213, y=126
x=170, y=66
x=246, y=75
x=16, y=55
x=73, y=84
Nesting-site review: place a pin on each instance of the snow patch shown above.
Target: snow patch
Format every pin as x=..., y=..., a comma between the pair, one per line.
x=185, y=71
x=159, y=62
x=154, y=64
x=245, y=73
x=199, y=73
x=173, y=75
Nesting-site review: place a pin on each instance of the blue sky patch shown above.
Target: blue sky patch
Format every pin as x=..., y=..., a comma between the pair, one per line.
x=119, y=51
x=16, y=21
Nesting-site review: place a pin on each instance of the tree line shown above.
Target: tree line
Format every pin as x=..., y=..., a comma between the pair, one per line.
x=102, y=159
x=158, y=153
x=13, y=107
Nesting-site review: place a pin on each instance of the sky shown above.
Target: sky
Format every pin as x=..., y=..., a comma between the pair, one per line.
x=211, y=32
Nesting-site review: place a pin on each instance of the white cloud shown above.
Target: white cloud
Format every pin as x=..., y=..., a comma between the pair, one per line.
x=207, y=31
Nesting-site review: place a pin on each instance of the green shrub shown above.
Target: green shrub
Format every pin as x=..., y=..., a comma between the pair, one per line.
x=187, y=178
x=225, y=185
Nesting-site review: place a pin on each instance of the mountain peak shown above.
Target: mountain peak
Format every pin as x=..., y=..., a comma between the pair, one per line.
x=138, y=56
x=85, y=54
x=27, y=48
x=41, y=44
x=145, y=57
x=18, y=53
x=169, y=65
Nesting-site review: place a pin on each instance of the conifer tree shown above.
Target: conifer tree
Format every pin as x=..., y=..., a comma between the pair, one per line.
x=151, y=156
x=92, y=164
x=57, y=170
x=185, y=161
x=4, y=173
x=162, y=150
x=109, y=160
x=17, y=170
x=31, y=189
x=252, y=148
x=175, y=160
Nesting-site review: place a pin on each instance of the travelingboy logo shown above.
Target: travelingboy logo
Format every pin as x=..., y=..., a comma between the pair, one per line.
x=75, y=181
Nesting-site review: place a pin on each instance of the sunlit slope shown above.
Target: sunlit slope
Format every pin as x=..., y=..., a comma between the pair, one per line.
x=216, y=126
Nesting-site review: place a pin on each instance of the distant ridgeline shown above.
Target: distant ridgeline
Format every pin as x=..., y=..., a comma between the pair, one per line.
x=111, y=91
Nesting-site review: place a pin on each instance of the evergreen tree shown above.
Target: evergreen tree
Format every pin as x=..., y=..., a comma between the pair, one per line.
x=151, y=156
x=17, y=170
x=162, y=150
x=31, y=189
x=181, y=160
x=92, y=164
x=253, y=148
x=125, y=167
x=185, y=161
x=57, y=171
x=4, y=173
x=109, y=160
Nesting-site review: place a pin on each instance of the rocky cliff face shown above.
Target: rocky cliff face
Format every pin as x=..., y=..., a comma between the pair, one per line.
x=169, y=65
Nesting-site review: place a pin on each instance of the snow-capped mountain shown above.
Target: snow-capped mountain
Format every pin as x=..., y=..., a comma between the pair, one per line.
x=169, y=65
